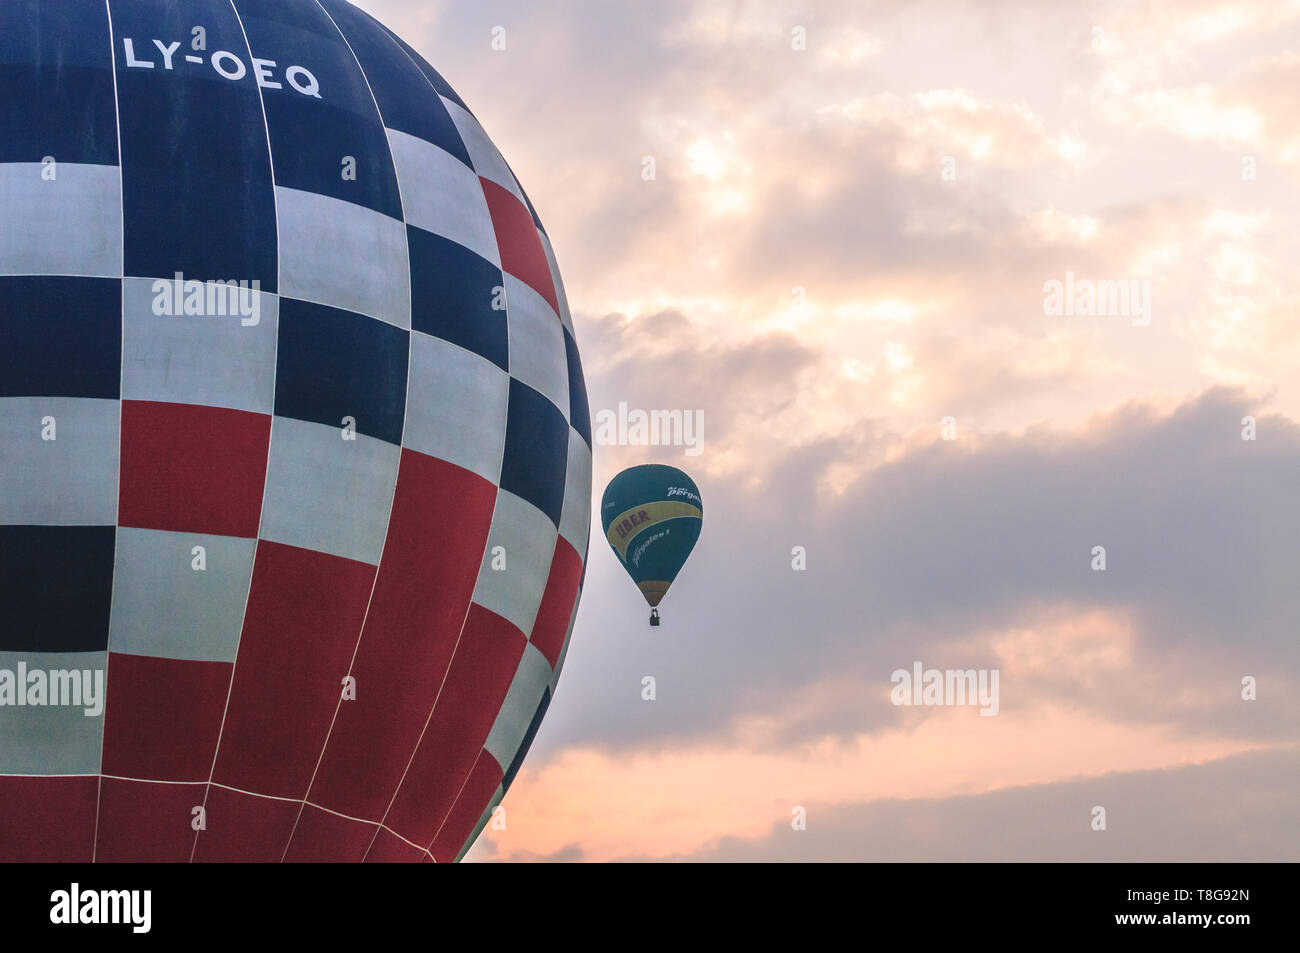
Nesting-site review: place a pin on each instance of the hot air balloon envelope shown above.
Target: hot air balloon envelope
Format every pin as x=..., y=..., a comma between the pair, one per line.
x=295, y=467
x=651, y=515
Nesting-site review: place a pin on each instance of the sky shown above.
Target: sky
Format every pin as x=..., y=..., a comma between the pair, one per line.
x=833, y=229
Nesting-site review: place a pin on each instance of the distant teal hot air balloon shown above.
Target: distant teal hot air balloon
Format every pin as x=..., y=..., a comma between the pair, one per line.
x=652, y=516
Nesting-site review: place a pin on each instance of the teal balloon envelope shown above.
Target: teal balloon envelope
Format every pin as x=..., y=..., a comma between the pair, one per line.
x=652, y=516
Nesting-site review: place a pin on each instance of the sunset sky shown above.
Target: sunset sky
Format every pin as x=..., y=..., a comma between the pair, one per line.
x=841, y=246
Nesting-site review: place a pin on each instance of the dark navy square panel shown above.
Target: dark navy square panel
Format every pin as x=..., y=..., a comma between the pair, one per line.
x=56, y=74
x=56, y=583
x=332, y=364
x=537, y=450
x=579, y=410
x=518, y=761
x=196, y=171
x=312, y=134
x=434, y=78
x=452, y=290
x=60, y=337
x=402, y=91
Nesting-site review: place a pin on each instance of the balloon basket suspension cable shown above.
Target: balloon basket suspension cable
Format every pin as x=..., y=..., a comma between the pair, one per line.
x=654, y=616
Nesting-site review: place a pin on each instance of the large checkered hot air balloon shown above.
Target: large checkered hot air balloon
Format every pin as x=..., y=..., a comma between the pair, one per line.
x=295, y=462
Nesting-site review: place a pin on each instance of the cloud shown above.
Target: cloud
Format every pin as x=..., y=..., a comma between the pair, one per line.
x=1232, y=810
x=709, y=799
x=739, y=387
x=953, y=546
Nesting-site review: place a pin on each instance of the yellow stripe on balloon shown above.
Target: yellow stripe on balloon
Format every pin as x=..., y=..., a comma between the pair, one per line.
x=629, y=524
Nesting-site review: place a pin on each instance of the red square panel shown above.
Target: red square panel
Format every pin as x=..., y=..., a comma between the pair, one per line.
x=473, y=801
x=439, y=527
x=47, y=820
x=480, y=675
x=242, y=828
x=304, y=615
x=192, y=469
x=553, y=616
x=388, y=848
x=144, y=822
x=323, y=838
x=521, y=249
x=163, y=716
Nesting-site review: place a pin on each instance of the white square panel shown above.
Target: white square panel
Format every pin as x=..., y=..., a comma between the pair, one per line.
x=52, y=739
x=532, y=678
x=488, y=161
x=526, y=537
x=165, y=608
x=456, y=406
x=441, y=195
x=575, y=517
x=565, y=317
x=343, y=255
x=71, y=225
x=68, y=481
x=537, y=354
x=328, y=494
x=212, y=360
